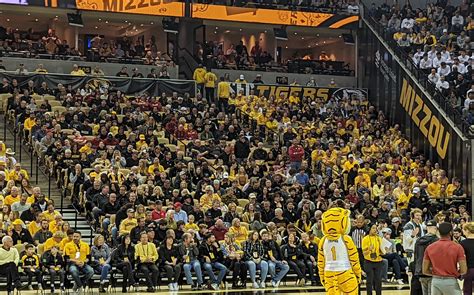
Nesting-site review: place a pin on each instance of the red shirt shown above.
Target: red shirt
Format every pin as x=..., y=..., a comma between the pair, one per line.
x=155, y=215
x=296, y=153
x=444, y=256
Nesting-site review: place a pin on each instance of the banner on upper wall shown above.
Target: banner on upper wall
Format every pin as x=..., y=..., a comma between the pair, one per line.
x=301, y=91
x=393, y=90
x=148, y=7
x=273, y=16
x=154, y=87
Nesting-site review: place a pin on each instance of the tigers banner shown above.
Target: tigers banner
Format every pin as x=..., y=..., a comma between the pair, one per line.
x=302, y=91
x=154, y=87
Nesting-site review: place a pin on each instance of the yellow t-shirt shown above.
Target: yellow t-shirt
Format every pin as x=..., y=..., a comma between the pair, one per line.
x=223, y=90
x=199, y=74
x=72, y=249
x=211, y=80
x=374, y=254
x=50, y=243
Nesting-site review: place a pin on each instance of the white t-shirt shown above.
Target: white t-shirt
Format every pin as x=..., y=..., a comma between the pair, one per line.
x=335, y=254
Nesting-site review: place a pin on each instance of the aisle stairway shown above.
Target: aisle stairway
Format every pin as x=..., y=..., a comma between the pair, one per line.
x=42, y=180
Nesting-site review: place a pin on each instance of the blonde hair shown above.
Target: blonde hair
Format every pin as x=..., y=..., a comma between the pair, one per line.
x=96, y=239
x=469, y=227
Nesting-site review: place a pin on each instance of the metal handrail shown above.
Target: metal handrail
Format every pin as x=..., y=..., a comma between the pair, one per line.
x=452, y=113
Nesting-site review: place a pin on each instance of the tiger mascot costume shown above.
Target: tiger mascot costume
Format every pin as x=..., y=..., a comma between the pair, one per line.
x=338, y=259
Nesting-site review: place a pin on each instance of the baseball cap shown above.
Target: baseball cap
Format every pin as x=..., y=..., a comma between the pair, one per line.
x=178, y=204
x=431, y=223
x=225, y=175
x=416, y=190
x=130, y=210
x=396, y=219
x=386, y=230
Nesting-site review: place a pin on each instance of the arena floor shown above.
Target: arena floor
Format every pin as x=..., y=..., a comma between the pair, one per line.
x=280, y=290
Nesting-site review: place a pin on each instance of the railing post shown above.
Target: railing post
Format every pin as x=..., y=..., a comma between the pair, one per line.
x=4, y=127
x=14, y=140
x=62, y=202
x=49, y=183
x=20, y=144
x=31, y=158
x=36, y=175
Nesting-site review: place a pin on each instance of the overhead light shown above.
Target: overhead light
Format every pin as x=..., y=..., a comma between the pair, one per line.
x=240, y=29
x=36, y=19
x=8, y=19
x=141, y=25
x=227, y=31
x=324, y=42
x=340, y=36
x=106, y=21
x=265, y=31
x=152, y=23
x=215, y=32
x=96, y=27
x=29, y=13
x=317, y=35
x=296, y=33
x=126, y=21
x=100, y=19
x=302, y=38
x=286, y=47
x=56, y=16
x=217, y=28
x=309, y=46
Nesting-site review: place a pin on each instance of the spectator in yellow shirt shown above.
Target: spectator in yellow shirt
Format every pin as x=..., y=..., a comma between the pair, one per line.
x=78, y=251
x=210, y=83
x=13, y=197
x=198, y=76
x=56, y=224
x=156, y=165
x=29, y=123
x=208, y=198
x=434, y=188
x=18, y=174
x=55, y=240
x=128, y=223
x=223, y=94
x=147, y=255
x=239, y=231
x=76, y=71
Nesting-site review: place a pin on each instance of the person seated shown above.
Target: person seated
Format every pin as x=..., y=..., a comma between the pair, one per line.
x=76, y=253
x=123, y=258
x=211, y=257
x=9, y=259
x=53, y=263
x=101, y=255
x=146, y=256
x=31, y=266
x=171, y=262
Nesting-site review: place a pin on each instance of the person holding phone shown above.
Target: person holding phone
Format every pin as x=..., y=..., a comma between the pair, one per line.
x=373, y=266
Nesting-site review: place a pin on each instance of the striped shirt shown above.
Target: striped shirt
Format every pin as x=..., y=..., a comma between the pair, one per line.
x=357, y=235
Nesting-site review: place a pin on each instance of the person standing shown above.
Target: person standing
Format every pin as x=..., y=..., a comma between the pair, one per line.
x=373, y=266
x=411, y=232
x=419, y=251
x=223, y=94
x=198, y=76
x=210, y=83
x=441, y=261
x=468, y=246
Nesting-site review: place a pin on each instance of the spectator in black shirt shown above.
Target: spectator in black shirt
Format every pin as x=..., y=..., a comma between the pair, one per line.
x=170, y=260
x=122, y=73
x=136, y=73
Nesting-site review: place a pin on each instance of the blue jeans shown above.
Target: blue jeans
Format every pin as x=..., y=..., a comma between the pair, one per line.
x=104, y=271
x=187, y=267
x=106, y=224
x=220, y=267
x=86, y=270
x=263, y=266
x=397, y=263
x=284, y=268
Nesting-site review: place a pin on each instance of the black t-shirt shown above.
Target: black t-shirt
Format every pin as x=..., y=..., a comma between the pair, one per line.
x=468, y=245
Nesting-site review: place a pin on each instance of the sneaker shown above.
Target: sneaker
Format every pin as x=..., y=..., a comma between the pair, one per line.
x=74, y=287
x=30, y=287
x=52, y=290
x=302, y=282
x=400, y=282
x=176, y=288
x=262, y=285
x=171, y=286
x=275, y=284
x=255, y=285
x=215, y=286
x=194, y=287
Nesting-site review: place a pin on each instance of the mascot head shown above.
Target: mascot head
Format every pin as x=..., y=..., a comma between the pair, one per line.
x=336, y=222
